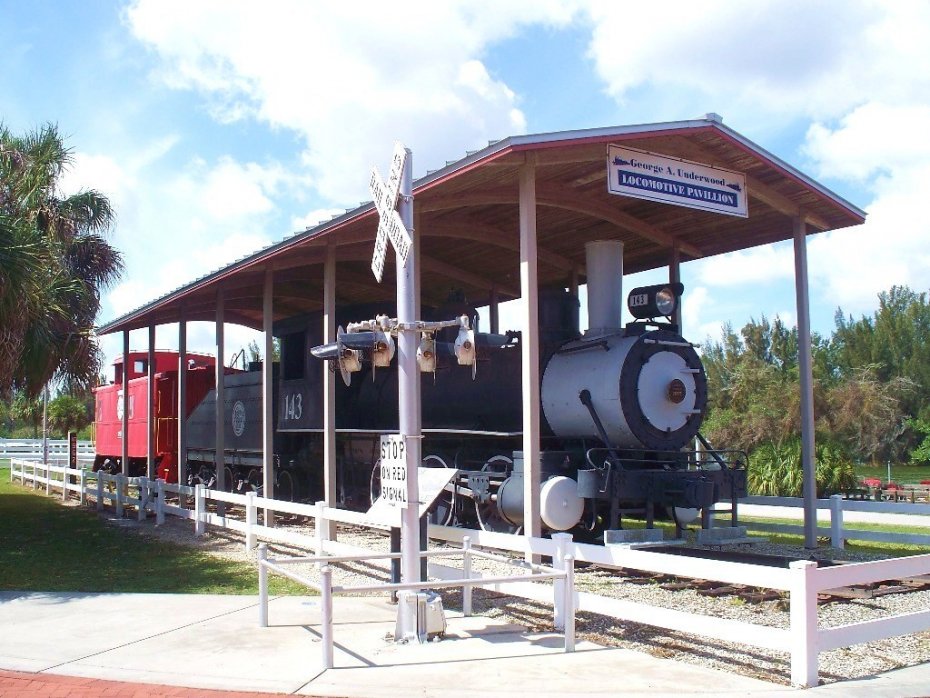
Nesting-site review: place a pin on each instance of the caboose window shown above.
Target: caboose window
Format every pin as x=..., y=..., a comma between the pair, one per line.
x=292, y=355
x=139, y=366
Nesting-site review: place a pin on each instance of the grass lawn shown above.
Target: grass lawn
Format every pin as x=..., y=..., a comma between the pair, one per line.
x=902, y=473
x=45, y=546
x=878, y=548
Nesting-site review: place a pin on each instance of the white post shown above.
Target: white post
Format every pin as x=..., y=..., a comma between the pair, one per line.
x=836, y=522
x=143, y=497
x=160, y=504
x=529, y=290
x=251, y=519
x=568, y=603
x=82, y=480
x=562, y=541
x=803, y=615
x=120, y=484
x=326, y=622
x=408, y=384
x=466, y=574
x=262, y=586
x=267, y=395
x=321, y=528
x=64, y=485
x=99, y=490
x=199, y=524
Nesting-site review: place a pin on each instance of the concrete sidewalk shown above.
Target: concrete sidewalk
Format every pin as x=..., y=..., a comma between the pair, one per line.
x=214, y=642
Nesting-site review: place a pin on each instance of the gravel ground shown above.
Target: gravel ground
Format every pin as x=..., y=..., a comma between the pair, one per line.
x=853, y=662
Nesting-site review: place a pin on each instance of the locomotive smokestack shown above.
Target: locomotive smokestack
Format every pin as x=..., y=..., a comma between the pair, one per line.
x=604, y=262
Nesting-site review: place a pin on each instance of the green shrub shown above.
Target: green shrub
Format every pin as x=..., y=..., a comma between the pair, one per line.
x=776, y=470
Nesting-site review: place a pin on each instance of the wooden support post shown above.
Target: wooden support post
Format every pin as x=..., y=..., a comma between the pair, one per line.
x=124, y=427
x=219, y=454
x=182, y=399
x=529, y=290
x=329, y=389
x=150, y=409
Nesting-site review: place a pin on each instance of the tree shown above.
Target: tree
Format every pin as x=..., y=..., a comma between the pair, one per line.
x=54, y=261
x=28, y=410
x=866, y=414
x=254, y=352
x=67, y=413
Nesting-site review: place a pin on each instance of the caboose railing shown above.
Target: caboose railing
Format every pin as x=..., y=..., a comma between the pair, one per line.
x=801, y=636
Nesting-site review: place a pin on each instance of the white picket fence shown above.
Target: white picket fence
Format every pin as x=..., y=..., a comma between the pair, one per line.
x=803, y=639
x=31, y=450
x=838, y=531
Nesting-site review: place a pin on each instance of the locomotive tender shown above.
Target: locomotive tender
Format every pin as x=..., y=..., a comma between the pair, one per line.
x=620, y=407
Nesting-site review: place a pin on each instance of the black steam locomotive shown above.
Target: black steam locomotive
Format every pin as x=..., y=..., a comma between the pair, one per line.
x=621, y=408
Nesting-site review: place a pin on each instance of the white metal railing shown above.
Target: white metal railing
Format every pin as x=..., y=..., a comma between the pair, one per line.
x=838, y=531
x=803, y=638
x=563, y=597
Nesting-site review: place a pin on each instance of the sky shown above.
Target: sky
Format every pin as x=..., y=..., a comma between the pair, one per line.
x=218, y=127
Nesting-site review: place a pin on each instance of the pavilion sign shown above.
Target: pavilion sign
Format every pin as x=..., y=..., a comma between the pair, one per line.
x=644, y=175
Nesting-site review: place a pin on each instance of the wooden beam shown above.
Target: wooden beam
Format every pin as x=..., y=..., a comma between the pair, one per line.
x=466, y=277
x=757, y=190
x=490, y=235
x=554, y=196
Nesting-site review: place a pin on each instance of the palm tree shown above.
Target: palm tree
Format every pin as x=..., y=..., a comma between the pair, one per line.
x=54, y=261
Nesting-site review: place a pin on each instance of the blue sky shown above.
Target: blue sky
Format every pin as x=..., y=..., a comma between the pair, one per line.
x=219, y=127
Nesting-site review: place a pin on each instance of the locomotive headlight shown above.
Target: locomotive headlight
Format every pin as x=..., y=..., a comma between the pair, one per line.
x=660, y=300
x=665, y=302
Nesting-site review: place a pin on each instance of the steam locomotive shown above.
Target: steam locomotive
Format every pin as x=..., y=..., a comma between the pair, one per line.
x=621, y=407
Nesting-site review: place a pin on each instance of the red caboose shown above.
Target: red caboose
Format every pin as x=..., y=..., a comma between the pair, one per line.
x=109, y=409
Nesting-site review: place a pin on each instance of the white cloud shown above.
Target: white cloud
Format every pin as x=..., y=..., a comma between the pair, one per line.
x=876, y=144
x=313, y=218
x=350, y=78
x=766, y=59
x=757, y=266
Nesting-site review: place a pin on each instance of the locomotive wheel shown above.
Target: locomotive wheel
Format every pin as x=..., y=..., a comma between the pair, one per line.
x=444, y=507
x=229, y=482
x=286, y=487
x=497, y=464
x=374, y=485
x=489, y=516
x=490, y=519
x=253, y=481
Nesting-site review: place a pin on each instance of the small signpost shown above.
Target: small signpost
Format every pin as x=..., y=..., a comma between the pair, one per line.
x=644, y=175
x=397, y=226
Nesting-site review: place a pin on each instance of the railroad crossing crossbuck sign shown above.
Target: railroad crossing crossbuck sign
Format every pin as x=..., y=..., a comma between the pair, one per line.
x=391, y=227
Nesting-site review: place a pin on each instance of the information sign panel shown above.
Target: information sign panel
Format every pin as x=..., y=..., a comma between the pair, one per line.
x=644, y=175
x=394, y=470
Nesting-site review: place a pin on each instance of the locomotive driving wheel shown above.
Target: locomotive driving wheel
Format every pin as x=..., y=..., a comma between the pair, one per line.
x=489, y=515
x=286, y=486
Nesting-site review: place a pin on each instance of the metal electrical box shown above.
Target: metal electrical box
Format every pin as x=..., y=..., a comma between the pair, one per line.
x=420, y=617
